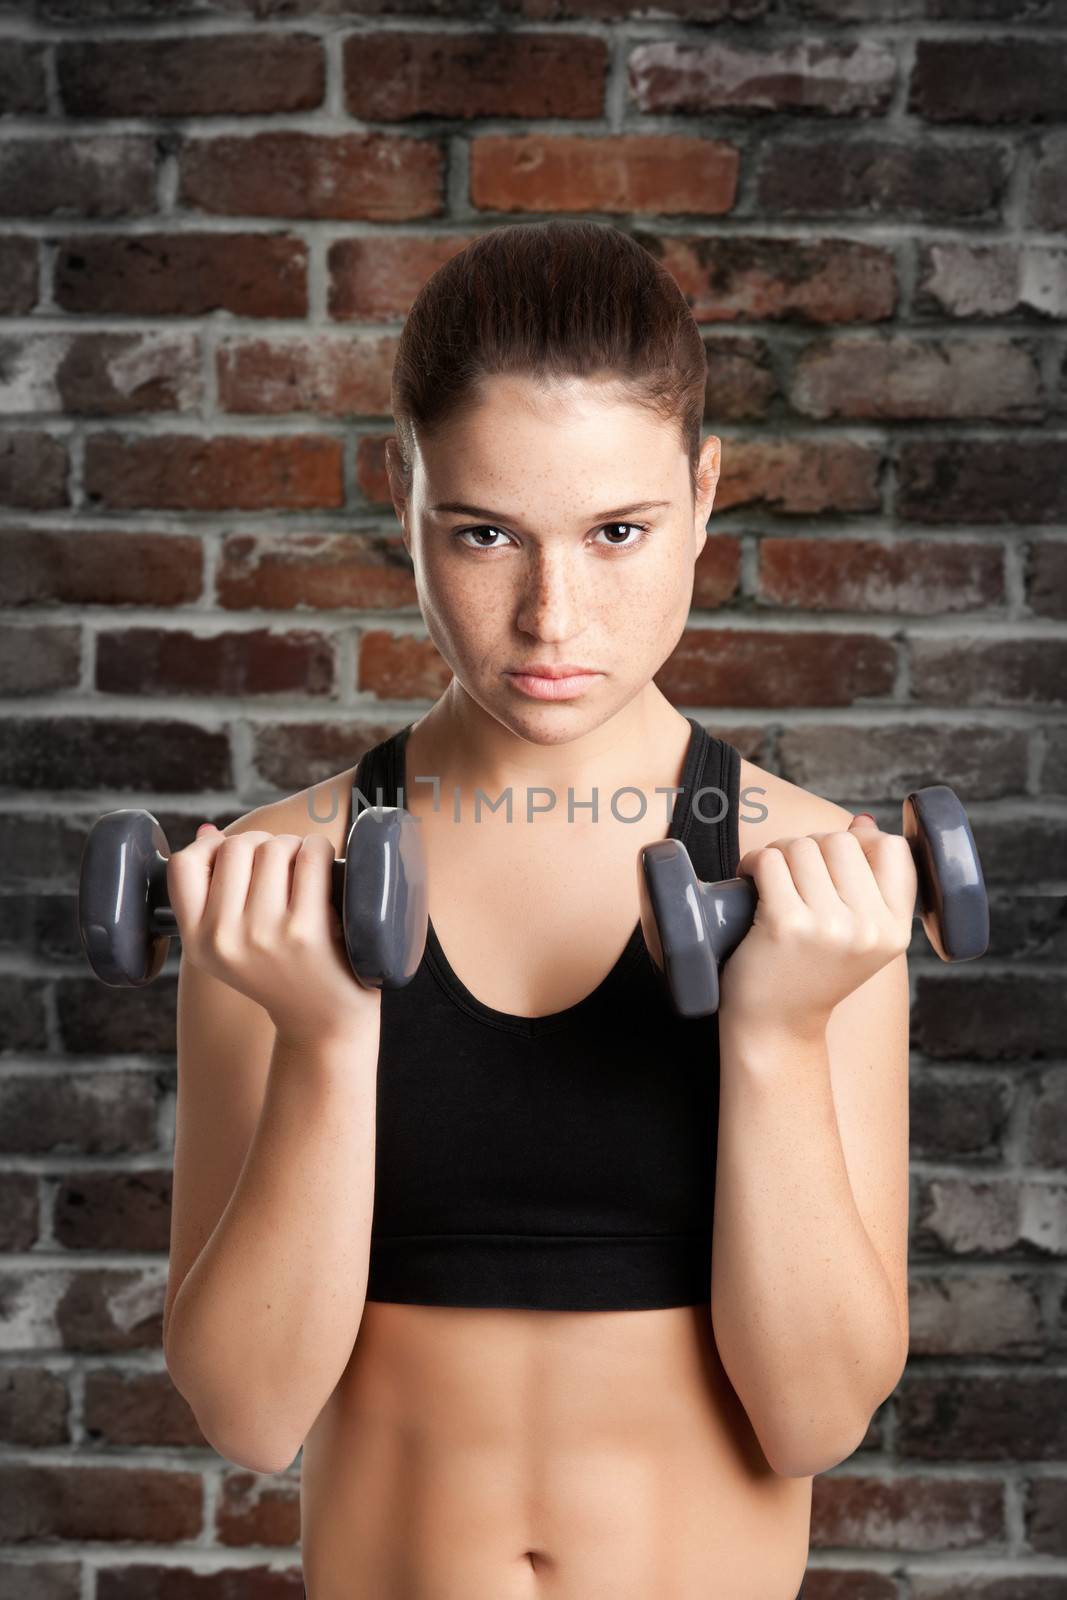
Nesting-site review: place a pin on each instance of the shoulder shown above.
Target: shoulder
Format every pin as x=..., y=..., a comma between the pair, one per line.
x=770, y=808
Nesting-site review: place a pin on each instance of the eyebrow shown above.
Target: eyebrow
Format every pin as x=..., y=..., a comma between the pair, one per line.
x=497, y=516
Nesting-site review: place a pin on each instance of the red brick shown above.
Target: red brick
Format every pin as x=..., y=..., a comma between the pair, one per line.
x=39, y=660
x=330, y=571
x=908, y=1513
x=33, y=470
x=728, y=277
x=171, y=1580
x=901, y=377
x=213, y=75
x=1003, y=480
x=370, y=176
x=254, y=1509
x=235, y=473
x=910, y=575
x=371, y=477
x=624, y=172
x=379, y=276
x=959, y=279
x=101, y=374
x=105, y=175
x=808, y=75
x=138, y=1408
x=331, y=375
x=392, y=76
x=770, y=667
x=717, y=574
x=18, y=276
x=102, y=567
x=798, y=476
x=400, y=666
x=54, y=1501
x=741, y=381
x=989, y=80
x=139, y=661
x=185, y=275
x=879, y=177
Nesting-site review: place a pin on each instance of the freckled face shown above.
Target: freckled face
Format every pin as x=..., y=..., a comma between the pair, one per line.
x=546, y=577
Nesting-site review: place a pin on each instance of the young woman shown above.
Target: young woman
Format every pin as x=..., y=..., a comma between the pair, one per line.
x=562, y=1294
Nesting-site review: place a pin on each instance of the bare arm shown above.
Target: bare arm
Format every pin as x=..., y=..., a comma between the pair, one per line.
x=804, y=1313
x=266, y=1319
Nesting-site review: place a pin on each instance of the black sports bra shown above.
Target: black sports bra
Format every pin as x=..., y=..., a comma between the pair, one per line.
x=561, y=1162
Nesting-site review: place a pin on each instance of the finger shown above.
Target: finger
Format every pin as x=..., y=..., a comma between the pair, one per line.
x=849, y=866
x=312, y=880
x=810, y=873
x=270, y=879
x=190, y=873
x=769, y=871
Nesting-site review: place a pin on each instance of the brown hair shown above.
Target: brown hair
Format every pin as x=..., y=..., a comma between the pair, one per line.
x=566, y=297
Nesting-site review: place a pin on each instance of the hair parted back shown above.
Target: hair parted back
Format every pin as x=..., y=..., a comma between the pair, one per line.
x=566, y=297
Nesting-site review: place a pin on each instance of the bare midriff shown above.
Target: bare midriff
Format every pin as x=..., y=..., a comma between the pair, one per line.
x=487, y=1454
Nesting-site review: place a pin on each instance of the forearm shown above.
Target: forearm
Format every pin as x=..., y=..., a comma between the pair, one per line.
x=803, y=1313
x=265, y=1321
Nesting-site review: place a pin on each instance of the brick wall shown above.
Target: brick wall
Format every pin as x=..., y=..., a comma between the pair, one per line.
x=216, y=214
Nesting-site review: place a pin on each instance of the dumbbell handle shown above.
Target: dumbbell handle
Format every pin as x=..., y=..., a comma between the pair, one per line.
x=163, y=920
x=951, y=900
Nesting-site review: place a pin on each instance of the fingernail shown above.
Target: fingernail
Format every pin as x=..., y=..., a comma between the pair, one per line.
x=202, y=826
x=867, y=814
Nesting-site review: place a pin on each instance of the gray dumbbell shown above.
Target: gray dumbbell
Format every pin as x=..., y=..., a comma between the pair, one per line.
x=378, y=888
x=691, y=927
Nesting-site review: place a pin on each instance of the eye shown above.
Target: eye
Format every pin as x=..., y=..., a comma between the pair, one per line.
x=485, y=527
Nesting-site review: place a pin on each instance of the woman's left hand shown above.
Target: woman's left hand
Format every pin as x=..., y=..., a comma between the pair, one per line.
x=833, y=909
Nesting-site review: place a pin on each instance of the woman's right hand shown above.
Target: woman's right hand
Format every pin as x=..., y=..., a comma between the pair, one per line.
x=254, y=910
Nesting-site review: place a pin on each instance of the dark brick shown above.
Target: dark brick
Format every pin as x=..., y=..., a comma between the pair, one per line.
x=982, y=1016
x=39, y=660
x=996, y=1418
x=107, y=175
x=213, y=75
x=911, y=575
x=18, y=276
x=369, y=176
x=99, y=567
x=90, y=1113
x=113, y=1210
x=878, y=178
x=764, y=667
x=396, y=76
x=249, y=662
x=33, y=471
x=331, y=571
x=22, y=79
x=34, y=1407
x=989, y=80
x=982, y=480
x=138, y=1408
x=170, y=274
x=98, y=1503
x=19, y=1224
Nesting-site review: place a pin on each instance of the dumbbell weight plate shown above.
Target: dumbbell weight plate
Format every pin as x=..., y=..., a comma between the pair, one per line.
x=386, y=893
x=123, y=882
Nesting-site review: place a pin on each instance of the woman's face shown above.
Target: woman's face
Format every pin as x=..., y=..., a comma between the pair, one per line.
x=556, y=558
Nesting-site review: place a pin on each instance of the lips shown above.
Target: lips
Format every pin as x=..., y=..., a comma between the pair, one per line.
x=541, y=670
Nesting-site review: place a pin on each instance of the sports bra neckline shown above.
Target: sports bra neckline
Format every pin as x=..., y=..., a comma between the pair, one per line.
x=531, y=1027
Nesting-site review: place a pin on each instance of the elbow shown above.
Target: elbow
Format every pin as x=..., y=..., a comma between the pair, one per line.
x=246, y=1445
x=804, y=1455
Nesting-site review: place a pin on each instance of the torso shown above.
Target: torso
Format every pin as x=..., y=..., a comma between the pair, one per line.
x=500, y=1454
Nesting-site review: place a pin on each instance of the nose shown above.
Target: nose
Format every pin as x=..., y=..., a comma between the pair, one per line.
x=552, y=602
